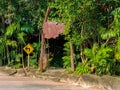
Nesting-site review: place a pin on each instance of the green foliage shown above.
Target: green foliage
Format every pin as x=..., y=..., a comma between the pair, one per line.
x=34, y=57
x=92, y=26
x=116, y=69
x=113, y=30
x=36, y=46
x=117, y=50
x=33, y=60
x=15, y=60
x=2, y=45
x=99, y=57
x=81, y=69
x=116, y=25
x=20, y=37
x=109, y=34
x=66, y=58
x=27, y=29
x=11, y=43
x=11, y=29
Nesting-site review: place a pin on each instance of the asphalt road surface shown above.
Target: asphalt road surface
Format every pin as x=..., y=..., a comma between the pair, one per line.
x=25, y=83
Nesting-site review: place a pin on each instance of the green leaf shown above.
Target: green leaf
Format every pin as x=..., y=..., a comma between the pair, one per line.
x=21, y=37
x=88, y=52
x=109, y=34
x=11, y=43
x=12, y=28
x=117, y=50
x=27, y=28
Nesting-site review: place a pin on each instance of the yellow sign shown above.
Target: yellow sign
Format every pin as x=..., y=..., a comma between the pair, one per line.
x=28, y=48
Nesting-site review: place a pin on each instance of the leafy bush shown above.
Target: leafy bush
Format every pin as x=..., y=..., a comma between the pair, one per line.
x=16, y=62
x=81, y=69
x=66, y=57
x=99, y=57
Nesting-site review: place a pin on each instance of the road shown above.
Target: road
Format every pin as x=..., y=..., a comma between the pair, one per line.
x=25, y=83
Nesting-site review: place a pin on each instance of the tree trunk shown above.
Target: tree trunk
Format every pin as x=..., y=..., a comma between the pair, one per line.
x=4, y=52
x=81, y=47
x=72, y=57
x=42, y=58
x=7, y=54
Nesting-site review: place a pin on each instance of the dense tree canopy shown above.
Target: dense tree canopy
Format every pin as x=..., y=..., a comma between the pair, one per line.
x=89, y=44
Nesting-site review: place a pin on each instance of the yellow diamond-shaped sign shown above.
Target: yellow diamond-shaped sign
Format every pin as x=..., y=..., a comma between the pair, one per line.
x=28, y=48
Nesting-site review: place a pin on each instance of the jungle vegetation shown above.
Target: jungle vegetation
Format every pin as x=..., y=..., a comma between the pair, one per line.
x=90, y=42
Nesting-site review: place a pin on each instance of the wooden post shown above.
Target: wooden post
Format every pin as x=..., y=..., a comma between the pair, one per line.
x=28, y=62
x=42, y=53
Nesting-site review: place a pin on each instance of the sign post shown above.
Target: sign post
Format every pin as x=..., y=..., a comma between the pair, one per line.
x=28, y=49
x=28, y=64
